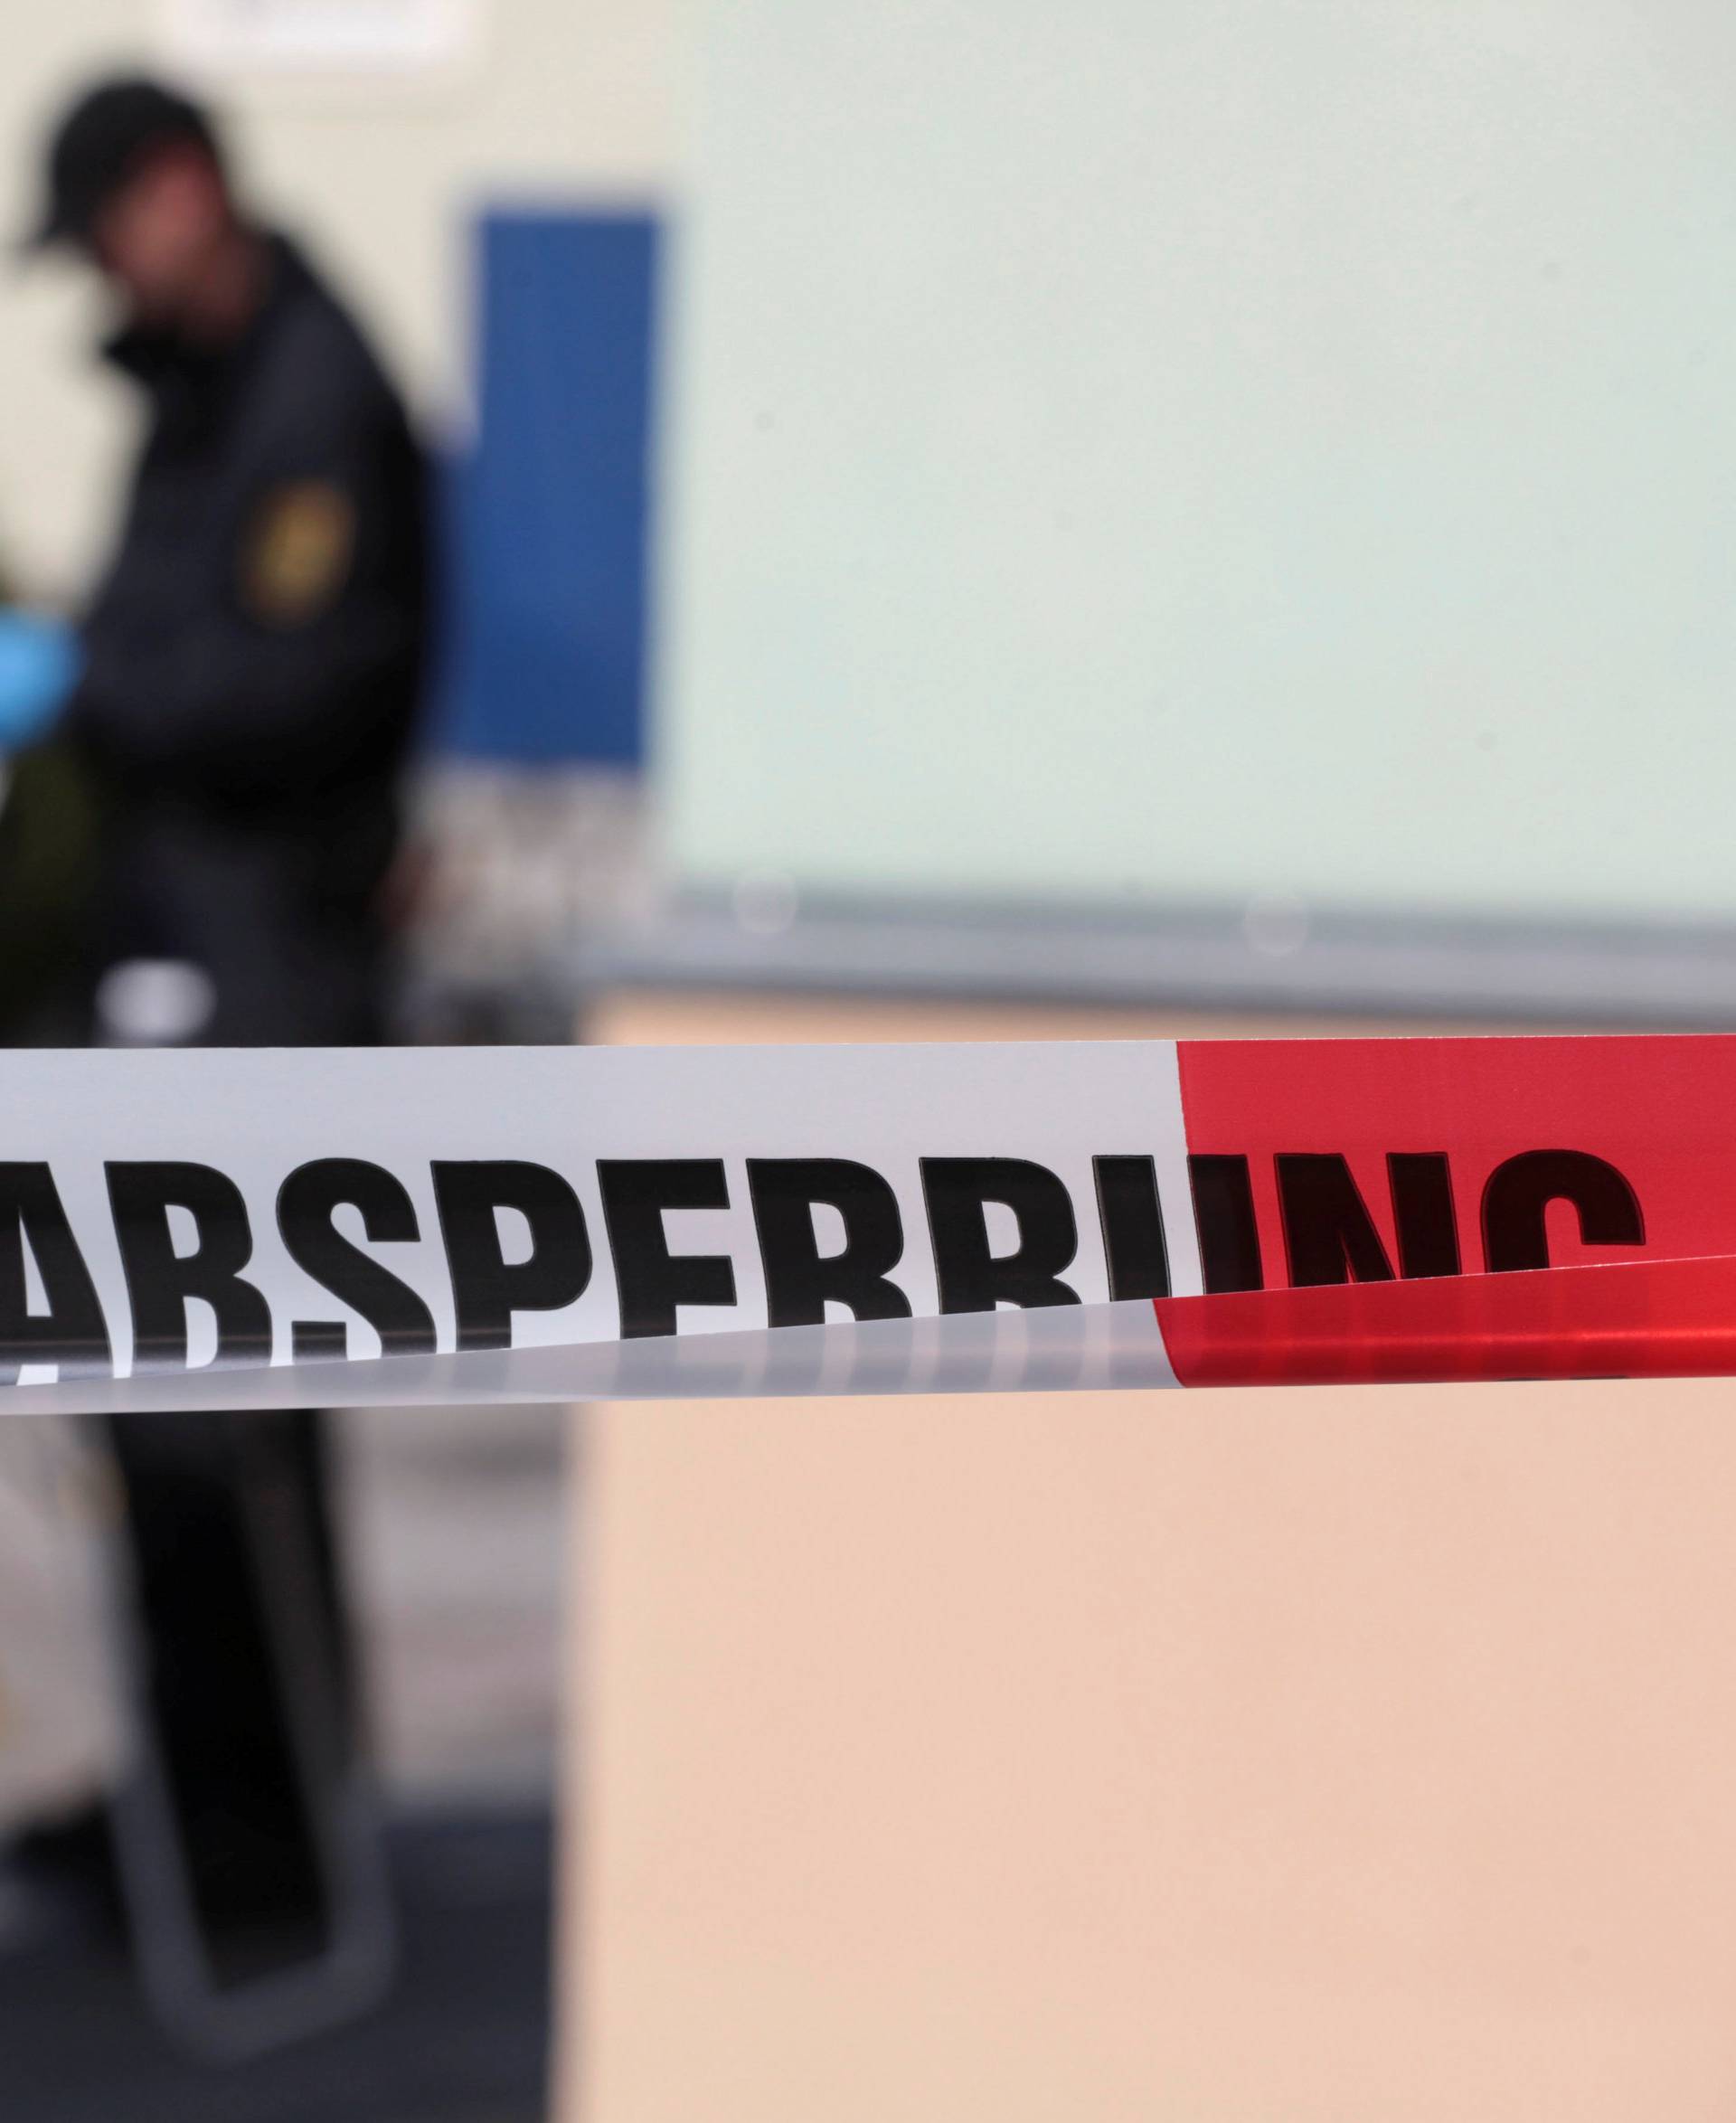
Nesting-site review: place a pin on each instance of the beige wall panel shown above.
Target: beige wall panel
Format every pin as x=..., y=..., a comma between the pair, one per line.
x=1260, y=1758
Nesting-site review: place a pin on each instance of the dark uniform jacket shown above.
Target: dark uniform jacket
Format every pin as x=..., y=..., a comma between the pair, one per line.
x=254, y=661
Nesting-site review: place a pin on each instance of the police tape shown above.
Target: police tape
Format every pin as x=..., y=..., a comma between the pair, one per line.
x=305, y=1228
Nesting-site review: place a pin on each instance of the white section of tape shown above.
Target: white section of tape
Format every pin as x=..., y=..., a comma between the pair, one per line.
x=1069, y=1348
x=1174, y=1189
x=255, y=1117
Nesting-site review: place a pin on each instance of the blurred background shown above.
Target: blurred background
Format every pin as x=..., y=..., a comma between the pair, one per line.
x=947, y=518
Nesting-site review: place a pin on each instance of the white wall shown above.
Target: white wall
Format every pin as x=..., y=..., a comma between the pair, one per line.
x=1199, y=448
x=566, y=98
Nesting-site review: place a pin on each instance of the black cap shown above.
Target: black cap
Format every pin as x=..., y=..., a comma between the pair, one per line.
x=103, y=138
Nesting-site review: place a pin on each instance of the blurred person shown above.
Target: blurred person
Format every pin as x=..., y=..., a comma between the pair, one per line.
x=252, y=660
x=242, y=691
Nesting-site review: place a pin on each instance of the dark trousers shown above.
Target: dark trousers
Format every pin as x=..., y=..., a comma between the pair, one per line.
x=247, y=1677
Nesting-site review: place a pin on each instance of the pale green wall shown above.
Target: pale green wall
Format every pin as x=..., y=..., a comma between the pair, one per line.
x=1208, y=448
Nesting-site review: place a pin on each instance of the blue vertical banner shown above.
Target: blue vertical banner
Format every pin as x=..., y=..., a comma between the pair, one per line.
x=547, y=606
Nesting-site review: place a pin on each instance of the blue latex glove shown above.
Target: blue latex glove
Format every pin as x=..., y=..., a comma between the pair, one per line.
x=39, y=661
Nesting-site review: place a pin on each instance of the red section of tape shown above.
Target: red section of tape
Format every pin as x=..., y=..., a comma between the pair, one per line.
x=1660, y=1110
x=1652, y=1319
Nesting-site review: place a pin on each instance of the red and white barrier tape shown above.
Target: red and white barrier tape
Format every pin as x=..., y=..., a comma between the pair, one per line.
x=318, y=1228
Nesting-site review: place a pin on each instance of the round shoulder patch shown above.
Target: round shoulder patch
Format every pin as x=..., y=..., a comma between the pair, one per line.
x=298, y=552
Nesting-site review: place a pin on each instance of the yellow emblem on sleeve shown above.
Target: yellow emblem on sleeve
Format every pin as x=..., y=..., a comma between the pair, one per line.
x=298, y=556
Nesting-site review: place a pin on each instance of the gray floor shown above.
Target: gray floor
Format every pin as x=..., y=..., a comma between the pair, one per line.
x=454, y=1526
x=463, y=2037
